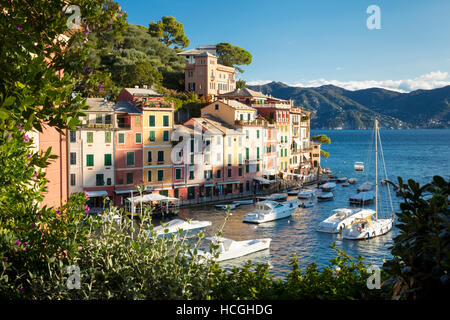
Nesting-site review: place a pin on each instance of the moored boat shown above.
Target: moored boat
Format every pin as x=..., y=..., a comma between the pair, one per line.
x=230, y=206
x=230, y=249
x=341, y=180
x=366, y=186
x=342, y=218
x=352, y=181
x=242, y=202
x=273, y=197
x=325, y=196
x=362, y=198
x=306, y=194
x=327, y=187
x=179, y=227
x=359, y=166
x=372, y=226
x=270, y=210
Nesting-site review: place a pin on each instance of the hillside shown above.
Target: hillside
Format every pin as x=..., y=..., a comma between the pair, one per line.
x=337, y=108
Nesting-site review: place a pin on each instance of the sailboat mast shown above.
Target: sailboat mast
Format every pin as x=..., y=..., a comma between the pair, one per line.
x=376, y=169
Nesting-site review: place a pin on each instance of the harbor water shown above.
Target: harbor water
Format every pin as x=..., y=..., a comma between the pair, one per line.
x=411, y=154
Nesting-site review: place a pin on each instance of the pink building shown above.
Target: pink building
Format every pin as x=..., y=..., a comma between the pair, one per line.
x=128, y=151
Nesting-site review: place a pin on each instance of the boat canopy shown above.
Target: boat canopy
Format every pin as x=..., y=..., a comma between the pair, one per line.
x=262, y=180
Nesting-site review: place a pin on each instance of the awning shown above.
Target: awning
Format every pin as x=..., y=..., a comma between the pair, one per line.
x=96, y=193
x=209, y=185
x=151, y=197
x=306, y=155
x=124, y=191
x=229, y=182
x=298, y=141
x=262, y=180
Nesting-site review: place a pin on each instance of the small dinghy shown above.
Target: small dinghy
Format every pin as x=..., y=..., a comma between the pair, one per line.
x=230, y=206
x=325, y=196
x=230, y=249
x=242, y=202
x=306, y=204
x=345, y=185
x=179, y=227
x=352, y=181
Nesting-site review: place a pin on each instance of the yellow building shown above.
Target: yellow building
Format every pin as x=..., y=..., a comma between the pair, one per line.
x=158, y=126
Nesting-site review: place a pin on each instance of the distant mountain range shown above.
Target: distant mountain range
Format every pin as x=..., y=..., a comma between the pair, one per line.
x=333, y=107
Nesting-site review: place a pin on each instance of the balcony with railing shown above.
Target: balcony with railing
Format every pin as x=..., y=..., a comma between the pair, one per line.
x=256, y=122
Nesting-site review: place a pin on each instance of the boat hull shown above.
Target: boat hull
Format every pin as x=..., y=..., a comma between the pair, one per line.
x=378, y=228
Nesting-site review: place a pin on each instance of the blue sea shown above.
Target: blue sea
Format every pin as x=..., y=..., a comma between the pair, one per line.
x=410, y=154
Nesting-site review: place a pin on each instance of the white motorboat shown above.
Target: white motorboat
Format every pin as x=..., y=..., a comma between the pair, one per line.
x=372, y=226
x=274, y=197
x=359, y=166
x=230, y=249
x=306, y=194
x=242, y=202
x=342, y=218
x=327, y=187
x=325, y=196
x=271, y=210
x=352, y=181
x=230, y=206
x=179, y=227
x=362, y=198
x=366, y=186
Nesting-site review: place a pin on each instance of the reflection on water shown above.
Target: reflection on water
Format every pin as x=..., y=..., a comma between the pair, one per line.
x=297, y=234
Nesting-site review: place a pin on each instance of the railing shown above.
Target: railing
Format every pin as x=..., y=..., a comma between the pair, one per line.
x=256, y=122
x=98, y=125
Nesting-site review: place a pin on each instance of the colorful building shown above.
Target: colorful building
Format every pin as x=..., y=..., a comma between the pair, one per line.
x=205, y=76
x=157, y=122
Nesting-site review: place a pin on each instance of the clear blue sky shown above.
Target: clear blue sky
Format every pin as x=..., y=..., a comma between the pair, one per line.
x=317, y=41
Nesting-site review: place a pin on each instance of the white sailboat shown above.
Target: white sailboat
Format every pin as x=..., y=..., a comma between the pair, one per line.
x=372, y=226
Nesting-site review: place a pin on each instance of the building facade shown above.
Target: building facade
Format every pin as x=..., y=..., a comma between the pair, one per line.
x=205, y=76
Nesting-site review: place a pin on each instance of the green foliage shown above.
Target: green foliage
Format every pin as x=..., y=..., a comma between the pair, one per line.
x=241, y=84
x=344, y=278
x=232, y=56
x=169, y=31
x=421, y=264
x=321, y=138
x=136, y=58
x=140, y=73
x=324, y=154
